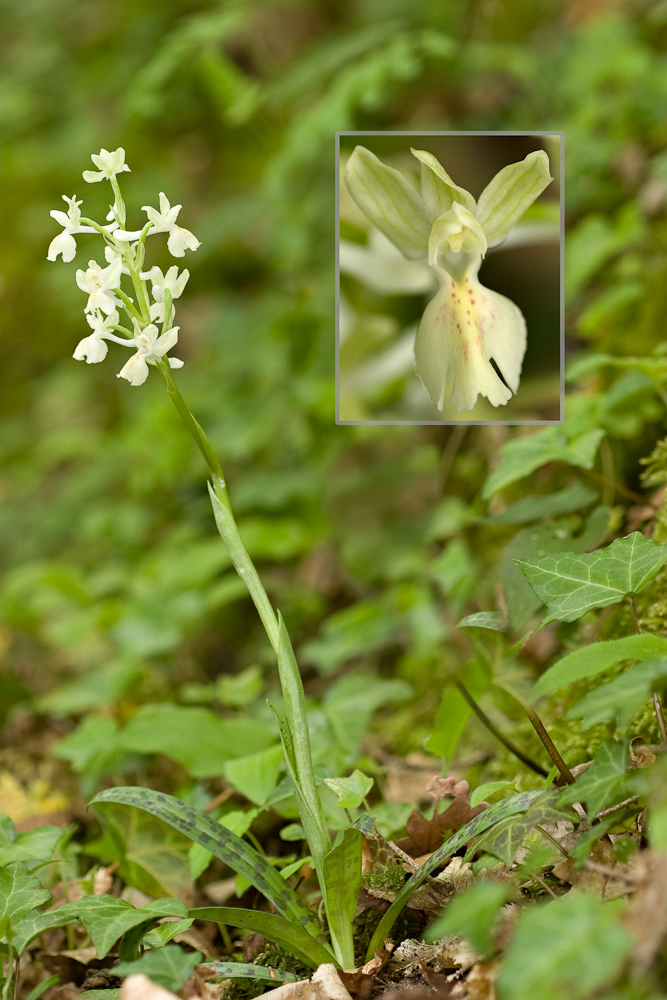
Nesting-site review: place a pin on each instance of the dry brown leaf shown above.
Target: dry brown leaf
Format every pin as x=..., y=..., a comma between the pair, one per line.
x=479, y=984
x=599, y=880
x=426, y=836
x=646, y=915
x=361, y=982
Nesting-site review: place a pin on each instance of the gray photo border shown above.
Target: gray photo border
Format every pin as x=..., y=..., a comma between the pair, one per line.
x=455, y=423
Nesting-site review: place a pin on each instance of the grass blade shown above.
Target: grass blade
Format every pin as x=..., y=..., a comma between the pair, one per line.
x=494, y=814
x=240, y=970
x=342, y=875
x=292, y=937
x=222, y=844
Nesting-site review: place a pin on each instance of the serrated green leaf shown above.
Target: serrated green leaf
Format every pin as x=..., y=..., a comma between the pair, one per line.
x=290, y=935
x=221, y=843
x=351, y=791
x=342, y=877
x=605, y=782
x=505, y=839
x=486, y=819
x=472, y=915
x=566, y=950
x=622, y=697
x=571, y=584
x=169, y=966
x=593, y=659
x=521, y=456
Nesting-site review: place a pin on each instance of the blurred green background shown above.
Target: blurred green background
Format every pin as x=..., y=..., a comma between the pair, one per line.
x=116, y=589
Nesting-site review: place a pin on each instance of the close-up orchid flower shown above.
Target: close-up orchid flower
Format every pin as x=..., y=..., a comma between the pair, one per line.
x=465, y=327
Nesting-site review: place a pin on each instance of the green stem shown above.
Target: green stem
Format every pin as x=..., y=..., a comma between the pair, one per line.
x=297, y=733
x=540, y=729
x=512, y=747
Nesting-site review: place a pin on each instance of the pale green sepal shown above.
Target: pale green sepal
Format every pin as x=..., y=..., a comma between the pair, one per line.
x=390, y=202
x=514, y=188
x=342, y=875
x=439, y=191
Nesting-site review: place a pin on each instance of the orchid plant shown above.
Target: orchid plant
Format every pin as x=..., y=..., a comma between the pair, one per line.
x=465, y=326
x=338, y=866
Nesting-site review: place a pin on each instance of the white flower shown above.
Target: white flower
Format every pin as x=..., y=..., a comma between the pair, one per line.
x=100, y=284
x=111, y=256
x=465, y=325
x=109, y=165
x=161, y=283
x=93, y=349
x=164, y=221
x=65, y=243
x=149, y=347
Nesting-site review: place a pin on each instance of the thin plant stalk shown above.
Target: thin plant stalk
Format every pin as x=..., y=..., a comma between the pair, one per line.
x=295, y=735
x=500, y=736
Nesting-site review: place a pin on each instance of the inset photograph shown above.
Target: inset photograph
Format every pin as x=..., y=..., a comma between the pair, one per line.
x=449, y=269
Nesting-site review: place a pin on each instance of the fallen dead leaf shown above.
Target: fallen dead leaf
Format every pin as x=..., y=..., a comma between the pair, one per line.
x=362, y=982
x=603, y=876
x=426, y=836
x=646, y=915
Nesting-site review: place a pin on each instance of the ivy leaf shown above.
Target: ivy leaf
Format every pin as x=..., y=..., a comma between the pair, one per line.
x=571, y=584
x=169, y=966
x=20, y=892
x=605, y=782
x=622, y=697
x=521, y=456
x=351, y=791
x=593, y=659
x=566, y=950
x=505, y=839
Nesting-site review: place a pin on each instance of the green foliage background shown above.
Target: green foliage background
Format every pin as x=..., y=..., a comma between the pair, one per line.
x=117, y=591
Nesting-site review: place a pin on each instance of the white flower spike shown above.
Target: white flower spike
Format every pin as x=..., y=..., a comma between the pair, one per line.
x=65, y=243
x=109, y=165
x=149, y=347
x=465, y=325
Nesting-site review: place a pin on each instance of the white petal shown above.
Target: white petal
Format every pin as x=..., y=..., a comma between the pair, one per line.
x=135, y=370
x=464, y=326
x=165, y=342
x=64, y=244
x=91, y=349
x=181, y=240
x=175, y=363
